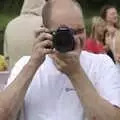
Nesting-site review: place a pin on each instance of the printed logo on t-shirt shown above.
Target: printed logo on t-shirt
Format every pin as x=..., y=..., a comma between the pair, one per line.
x=69, y=89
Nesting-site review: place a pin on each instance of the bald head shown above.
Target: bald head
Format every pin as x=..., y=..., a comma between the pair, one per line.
x=61, y=12
x=64, y=13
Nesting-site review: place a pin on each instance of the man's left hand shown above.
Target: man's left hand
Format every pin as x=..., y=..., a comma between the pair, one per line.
x=69, y=62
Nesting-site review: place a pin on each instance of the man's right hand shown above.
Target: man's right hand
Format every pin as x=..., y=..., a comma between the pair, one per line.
x=41, y=46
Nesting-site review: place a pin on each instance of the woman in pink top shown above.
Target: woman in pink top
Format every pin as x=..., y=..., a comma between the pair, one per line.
x=95, y=42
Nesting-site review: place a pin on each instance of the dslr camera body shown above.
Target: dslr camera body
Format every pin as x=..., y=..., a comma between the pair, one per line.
x=63, y=39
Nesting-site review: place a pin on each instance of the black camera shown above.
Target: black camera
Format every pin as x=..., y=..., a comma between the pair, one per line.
x=63, y=39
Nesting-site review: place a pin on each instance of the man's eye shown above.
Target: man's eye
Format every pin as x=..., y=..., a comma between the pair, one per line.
x=79, y=31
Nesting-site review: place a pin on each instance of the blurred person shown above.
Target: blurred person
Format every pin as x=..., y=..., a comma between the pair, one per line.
x=110, y=15
x=116, y=47
x=19, y=33
x=113, y=42
x=62, y=86
x=95, y=42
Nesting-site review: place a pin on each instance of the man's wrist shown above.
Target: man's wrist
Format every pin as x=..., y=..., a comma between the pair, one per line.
x=76, y=74
x=33, y=64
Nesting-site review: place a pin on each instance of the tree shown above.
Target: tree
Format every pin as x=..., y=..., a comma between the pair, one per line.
x=11, y=5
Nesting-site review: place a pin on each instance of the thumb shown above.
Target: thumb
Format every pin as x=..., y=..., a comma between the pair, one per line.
x=78, y=44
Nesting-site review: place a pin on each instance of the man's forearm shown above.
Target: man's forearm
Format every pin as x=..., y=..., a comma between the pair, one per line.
x=96, y=107
x=12, y=97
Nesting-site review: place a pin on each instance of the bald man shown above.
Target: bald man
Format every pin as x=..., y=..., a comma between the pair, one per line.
x=74, y=85
x=19, y=34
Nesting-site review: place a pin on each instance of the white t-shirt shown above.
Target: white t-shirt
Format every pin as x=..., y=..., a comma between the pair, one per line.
x=51, y=95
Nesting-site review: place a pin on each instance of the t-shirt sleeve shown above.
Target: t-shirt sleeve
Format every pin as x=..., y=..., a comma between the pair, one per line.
x=16, y=69
x=108, y=84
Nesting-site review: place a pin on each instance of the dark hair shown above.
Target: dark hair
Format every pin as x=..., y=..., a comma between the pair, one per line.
x=104, y=9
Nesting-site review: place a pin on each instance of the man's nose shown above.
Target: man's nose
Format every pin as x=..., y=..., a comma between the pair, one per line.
x=83, y=36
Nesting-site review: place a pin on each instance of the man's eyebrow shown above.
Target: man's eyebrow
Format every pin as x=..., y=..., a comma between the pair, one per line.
x=78, y=30
x=75, y=31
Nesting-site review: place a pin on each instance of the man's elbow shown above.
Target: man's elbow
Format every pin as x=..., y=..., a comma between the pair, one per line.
x=5, y=113
x=108, y=115
x=116, y=113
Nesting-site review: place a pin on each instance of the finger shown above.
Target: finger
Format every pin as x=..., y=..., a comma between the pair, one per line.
x=60, y=55
x=57, y=60
x=43, y=37
x=47, y=44
x=40, y=30
x=48, y=51
x=44, y=44
x=78, y=43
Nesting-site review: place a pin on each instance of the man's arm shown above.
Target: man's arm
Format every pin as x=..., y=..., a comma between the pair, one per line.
x=12, y=97
x=95, y=106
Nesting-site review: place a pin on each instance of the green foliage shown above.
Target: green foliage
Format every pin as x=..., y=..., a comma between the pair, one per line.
x=5, y=18
x=13, y=6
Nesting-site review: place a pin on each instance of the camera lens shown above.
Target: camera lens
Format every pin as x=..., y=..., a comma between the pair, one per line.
x=63, y=39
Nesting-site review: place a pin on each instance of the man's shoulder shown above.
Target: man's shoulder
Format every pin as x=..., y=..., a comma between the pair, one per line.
x=94, y=57
x=17, y=68
x=21, y=63
x=89, y=60
x=23, y=60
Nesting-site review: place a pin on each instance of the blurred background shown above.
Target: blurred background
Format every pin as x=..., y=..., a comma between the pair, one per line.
x=9, y=9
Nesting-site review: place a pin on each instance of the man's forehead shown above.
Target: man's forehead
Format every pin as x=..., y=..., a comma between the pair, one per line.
x=72, y=26
x=70, y=19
